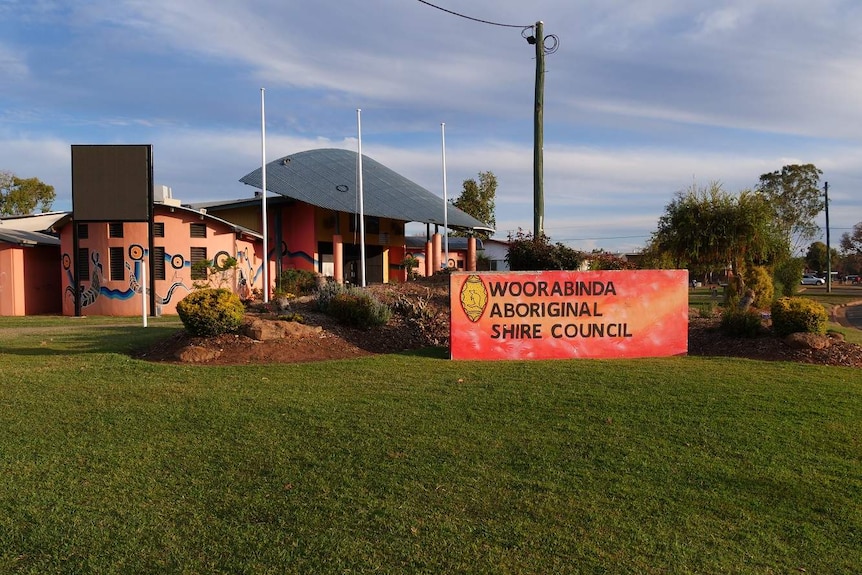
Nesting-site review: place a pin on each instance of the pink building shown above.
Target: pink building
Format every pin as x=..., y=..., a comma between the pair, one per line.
x=29, y=274
x=127, y=239
x=108, y=265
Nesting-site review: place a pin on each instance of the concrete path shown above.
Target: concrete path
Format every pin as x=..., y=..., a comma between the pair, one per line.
x=849, y=315
x=853, y=315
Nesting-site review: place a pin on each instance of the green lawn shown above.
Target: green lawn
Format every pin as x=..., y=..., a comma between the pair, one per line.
x=416, y=464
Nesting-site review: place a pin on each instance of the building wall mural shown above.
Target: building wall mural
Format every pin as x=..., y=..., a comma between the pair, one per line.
x=111, y=256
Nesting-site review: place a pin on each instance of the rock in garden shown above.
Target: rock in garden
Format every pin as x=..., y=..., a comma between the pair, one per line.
x=808, y=341
x=197, y=354
x=265, y=330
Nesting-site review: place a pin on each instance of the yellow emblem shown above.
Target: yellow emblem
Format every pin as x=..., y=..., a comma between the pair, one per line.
x=474, y=297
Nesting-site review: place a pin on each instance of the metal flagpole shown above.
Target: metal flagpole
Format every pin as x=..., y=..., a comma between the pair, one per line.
x=144, y=289
x=361, y=206
x=445, y=199
x=263, y=196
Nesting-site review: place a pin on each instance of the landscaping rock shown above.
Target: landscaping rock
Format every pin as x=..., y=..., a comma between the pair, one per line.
x=808, y=341
x=197, y=354
x=265, y=329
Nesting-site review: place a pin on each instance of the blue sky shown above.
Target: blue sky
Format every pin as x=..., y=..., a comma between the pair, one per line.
x=642, y=99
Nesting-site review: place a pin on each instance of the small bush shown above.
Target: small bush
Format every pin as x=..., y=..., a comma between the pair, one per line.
x=210, y=311
x=326, y=292
x=534, y=253
x=356, y=307
x=798, y=314
x=739, y=323
x=411, y=263
x=787, y=276
x=759, y=280
x=299, y=282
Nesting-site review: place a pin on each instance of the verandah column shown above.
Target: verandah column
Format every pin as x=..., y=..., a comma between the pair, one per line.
x=471, y=254
x=338, y=258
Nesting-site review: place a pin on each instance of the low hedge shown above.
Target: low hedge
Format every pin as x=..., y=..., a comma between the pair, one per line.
x=798, y=314
x=211, y=311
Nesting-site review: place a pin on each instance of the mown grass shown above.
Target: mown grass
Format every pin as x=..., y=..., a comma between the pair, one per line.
x=415, y=464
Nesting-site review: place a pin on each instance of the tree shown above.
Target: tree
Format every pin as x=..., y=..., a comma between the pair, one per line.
x=21, y=196
x=529, y=253
x=708, y=229
x=477, y=199
x=851, y=250
x=601, y=260
x=815, y=258
x=794, y=194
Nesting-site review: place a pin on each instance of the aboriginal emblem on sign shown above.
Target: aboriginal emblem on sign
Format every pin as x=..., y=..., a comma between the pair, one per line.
x=474, y=297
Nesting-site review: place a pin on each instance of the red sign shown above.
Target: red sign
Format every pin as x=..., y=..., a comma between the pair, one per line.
x=563, y=314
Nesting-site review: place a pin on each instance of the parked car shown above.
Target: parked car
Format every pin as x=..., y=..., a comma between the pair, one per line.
x=853, y=279
x=812, y=280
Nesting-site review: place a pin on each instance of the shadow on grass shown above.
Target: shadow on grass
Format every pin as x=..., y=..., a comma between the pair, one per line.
x=427, y=352
x=124, y=340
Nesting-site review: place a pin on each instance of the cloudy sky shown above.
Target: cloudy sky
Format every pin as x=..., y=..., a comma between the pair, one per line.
x=642, y=98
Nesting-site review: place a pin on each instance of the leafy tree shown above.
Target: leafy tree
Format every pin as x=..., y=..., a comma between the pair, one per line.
x=707, y=229
x=851, y=242
x=851, y=250
x=786, y=276
x=815, y=258
x=600, y=260
x=20, y=196
x=794, y=194
x=477, y=199
x=529, y=253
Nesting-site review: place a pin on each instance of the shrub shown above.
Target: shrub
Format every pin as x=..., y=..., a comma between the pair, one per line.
x=326, y=292
x=741, y=323
x=356, y=307
x=797, y=314
x=606, y=261
x=212, y=274
x=759, y=280
x=535, y=253
x=299, y=282
x=410, y=264
x=211, y=311
x=787, y=275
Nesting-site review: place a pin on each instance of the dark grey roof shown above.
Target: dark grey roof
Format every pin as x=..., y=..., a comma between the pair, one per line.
x=25, y=238
x=327, y=178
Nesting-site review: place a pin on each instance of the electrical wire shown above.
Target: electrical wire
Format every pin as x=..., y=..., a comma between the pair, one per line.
x=475, y=19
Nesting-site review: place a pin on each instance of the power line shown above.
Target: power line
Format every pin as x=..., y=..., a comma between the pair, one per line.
x=605, y=238
x=476, y=19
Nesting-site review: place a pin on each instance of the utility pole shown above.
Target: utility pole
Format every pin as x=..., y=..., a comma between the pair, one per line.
x=828, y=245
x=538, y=136
x=544, y=45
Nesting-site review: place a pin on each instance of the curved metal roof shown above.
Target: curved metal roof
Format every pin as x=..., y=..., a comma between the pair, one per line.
x=327, y=178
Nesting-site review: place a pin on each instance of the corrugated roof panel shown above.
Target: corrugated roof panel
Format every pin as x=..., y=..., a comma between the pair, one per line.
x=327, y=178
x=27, y=238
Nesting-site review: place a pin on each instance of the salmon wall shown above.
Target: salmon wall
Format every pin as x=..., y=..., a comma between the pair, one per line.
x=102, y=296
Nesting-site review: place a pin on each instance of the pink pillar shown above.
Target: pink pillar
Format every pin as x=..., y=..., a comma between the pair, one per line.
x=338, y=258
x=437, y=239
x=429, y=259
x=471, y=254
